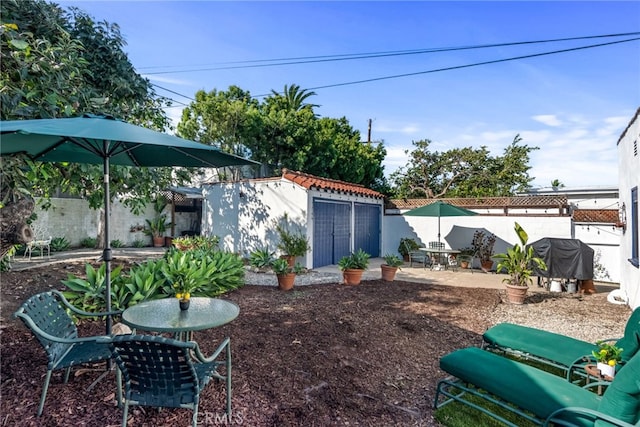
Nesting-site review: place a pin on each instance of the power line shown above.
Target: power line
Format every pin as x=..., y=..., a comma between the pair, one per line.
x=455, y=67
x=260, y=63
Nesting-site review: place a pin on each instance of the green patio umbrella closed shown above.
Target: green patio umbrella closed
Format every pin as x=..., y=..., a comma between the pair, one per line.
x=439, y=209
x=105, y=140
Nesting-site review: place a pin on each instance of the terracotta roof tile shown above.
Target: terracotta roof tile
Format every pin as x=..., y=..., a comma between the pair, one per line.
x=311, y=181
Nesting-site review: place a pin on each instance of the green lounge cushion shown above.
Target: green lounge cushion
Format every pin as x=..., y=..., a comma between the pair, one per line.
x=547, y=345
x=622, y=398
x=630, y=342
x=525, y=386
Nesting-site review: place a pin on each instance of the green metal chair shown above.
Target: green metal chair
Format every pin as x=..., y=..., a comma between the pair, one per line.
x=162, y=372
x=417, y=256
x=46, y=315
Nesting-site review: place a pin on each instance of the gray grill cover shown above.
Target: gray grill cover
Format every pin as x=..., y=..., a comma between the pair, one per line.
x=565, y=258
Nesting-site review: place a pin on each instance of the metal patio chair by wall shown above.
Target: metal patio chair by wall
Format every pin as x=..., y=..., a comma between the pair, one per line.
x=417, y=256
x=45, y=314
x=162, y=372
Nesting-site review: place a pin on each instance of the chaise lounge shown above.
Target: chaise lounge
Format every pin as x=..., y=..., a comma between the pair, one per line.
x=536, y=395
x=563, y=352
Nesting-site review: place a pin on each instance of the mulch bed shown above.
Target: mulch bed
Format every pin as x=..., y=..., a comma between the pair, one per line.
x=318, y=355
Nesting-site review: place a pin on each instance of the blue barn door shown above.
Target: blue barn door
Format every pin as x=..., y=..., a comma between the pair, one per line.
x=331, y=231
x=367, y=228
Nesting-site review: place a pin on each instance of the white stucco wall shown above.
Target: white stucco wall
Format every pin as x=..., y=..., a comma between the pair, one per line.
x=74, y=220
x=629, y=177
x=457, y=232
x=246, y=223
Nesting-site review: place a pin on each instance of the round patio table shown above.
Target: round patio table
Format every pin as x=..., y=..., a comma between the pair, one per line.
x=164, y=315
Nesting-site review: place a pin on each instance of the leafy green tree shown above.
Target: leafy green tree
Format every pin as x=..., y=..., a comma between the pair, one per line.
x=59, y=64
x=463, y=172
x=283, y=131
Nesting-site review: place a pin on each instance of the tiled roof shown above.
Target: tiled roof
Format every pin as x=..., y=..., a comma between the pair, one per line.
x=609, y=216
x=559, y=201
x=310, y=181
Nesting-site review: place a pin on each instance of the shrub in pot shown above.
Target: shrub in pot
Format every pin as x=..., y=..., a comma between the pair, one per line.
x=391, y=265
x=285, y=273
x=353, y=266
x=292, y=243
x=407, y=244
x=518, y=262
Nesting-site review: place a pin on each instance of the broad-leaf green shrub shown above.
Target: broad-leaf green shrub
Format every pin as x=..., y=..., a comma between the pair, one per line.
x=89, y=294
x=210, y=273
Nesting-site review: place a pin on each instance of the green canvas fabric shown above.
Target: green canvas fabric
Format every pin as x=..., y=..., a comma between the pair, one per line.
x=548, y=345
x=525, y=386
x=622, y=398
x=630, y=342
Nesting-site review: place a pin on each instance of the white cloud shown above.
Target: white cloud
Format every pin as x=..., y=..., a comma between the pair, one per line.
x=548, y=119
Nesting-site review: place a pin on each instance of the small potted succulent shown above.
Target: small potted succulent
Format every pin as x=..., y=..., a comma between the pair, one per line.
x=353, y=266
x=285, y=273
x=391, y=265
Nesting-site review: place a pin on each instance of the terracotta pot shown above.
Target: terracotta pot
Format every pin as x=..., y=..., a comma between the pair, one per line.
x=464, y=264
x=516, y=294
x=158, y=242
x=352, y=276
x=388, y=272
x=486, y=265
x=291, y=260
x=168, y=241
x=285, y=281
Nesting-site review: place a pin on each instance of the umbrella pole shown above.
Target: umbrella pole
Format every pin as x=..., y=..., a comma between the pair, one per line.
x=106, y=254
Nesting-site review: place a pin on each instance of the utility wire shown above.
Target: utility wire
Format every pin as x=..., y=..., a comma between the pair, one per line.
x=349, y=57
x=456, y=67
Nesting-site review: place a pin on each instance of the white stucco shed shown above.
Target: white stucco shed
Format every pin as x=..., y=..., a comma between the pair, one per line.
x=337, y=217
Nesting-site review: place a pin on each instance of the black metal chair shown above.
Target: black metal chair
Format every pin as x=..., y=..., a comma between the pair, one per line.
x=163, y=372
x=45, y=314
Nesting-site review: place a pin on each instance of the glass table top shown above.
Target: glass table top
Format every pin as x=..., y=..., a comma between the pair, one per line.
x=164, y=315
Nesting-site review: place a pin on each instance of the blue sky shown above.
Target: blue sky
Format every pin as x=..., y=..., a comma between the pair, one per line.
x=573, y=105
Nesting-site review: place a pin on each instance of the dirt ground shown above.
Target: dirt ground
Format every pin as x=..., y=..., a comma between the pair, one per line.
x=319, y=355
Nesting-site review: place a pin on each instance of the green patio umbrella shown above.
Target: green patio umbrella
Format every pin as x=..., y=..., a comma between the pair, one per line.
x=105, y=140
x=439, y=209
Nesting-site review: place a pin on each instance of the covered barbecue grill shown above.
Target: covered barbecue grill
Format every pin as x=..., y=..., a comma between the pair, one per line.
x=565, y=259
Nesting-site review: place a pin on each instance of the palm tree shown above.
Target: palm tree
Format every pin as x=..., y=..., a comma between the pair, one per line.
x=293, y=97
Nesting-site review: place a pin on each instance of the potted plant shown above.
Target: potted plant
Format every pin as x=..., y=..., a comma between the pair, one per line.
x=465, y=257
x=353, y=266
x=518, y=262
x=184, y=275
x=482, y=245
x=292, y=244
x=391, y=265
x=156, y=228
x=607, y=356
x=406, y=245
x=285, y=273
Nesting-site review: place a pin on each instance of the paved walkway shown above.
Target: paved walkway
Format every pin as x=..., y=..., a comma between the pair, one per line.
x=465, y=278
x=461, y=277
